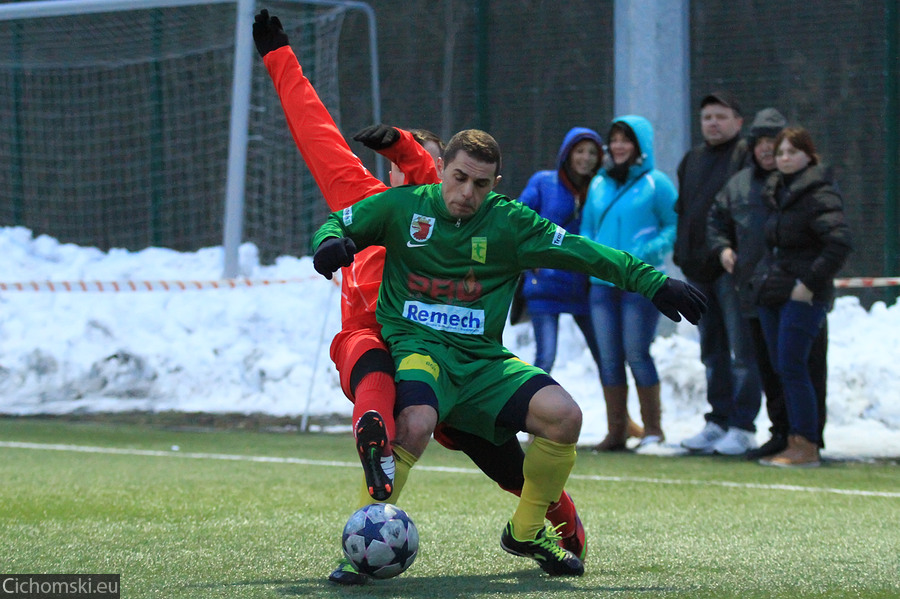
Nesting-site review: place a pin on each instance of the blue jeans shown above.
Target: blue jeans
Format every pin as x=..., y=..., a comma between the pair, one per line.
x=733, y=387
x=790, y=330
x=546, y=333
x=625, y=323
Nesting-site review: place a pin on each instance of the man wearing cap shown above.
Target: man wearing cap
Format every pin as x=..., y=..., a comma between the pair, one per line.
x=732, y=377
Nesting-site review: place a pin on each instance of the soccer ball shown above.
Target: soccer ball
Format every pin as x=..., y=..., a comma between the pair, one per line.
x=380, y=540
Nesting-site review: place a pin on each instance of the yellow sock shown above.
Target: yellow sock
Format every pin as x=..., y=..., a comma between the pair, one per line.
x=403, y=463
x=546, y=469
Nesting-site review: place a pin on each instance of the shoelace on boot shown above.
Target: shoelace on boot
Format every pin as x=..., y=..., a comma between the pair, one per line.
x=550, y=541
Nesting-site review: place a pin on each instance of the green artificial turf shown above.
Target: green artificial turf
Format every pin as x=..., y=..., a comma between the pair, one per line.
x=194, y=522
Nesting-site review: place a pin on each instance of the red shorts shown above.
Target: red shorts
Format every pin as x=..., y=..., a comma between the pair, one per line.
x=348, y=346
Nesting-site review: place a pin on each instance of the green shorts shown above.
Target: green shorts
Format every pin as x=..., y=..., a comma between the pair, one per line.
x=471, y=392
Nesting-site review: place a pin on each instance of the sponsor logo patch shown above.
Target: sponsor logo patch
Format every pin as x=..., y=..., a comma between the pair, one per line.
x=347, y=215
x=559, y=235
x=421, y=228
x=445, y=290
x=440, y=317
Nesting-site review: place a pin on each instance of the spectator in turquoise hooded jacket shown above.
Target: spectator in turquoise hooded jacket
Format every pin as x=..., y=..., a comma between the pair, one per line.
x=630, y=206
x=559, y=196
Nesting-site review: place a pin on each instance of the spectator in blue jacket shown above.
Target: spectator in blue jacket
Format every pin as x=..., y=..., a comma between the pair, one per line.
x=559, y=196
x=630, y=206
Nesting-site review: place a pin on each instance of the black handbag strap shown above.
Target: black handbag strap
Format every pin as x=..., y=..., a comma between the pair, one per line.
x=619, y=194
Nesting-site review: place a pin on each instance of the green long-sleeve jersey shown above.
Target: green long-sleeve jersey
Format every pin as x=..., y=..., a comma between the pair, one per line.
x=451, y=280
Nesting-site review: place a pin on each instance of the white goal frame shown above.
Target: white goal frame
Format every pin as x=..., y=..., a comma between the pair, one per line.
x=240, y=93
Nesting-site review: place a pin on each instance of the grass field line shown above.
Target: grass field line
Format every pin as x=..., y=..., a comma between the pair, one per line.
x=174, y=453
x=736, y=485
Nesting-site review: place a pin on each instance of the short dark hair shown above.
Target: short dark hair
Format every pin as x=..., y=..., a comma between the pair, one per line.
x=423, y=136
x=476, y=143
x=800, y=139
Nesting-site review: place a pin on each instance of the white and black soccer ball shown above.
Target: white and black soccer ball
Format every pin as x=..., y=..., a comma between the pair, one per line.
x=380, y=540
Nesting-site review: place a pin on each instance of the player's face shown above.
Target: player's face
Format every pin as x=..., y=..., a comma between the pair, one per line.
x=764, y=152
x=789, y=159
x=398, y=177
x=719, y=124
x=584, y=157
x=466, y=181
x=435, y=151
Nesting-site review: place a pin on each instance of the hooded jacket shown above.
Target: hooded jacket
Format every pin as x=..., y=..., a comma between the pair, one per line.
x=552, y=195
x=636, y=215
x=807, y=237
x=738, y=216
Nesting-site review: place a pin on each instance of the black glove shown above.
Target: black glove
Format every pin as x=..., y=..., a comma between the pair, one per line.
x=332, y=254
x=378, y=137
x=676, y=297
x=268, y=33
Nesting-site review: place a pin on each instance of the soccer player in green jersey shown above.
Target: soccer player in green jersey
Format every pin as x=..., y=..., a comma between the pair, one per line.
x=454, y=253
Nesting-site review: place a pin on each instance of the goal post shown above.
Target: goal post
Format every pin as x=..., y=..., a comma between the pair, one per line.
x=153, y=124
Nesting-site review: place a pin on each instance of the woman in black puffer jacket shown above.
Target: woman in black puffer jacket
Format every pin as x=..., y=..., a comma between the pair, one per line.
x=808, y=241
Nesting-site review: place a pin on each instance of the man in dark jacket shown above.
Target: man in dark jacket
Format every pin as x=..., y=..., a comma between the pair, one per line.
x=732, y=377
x=736, y=234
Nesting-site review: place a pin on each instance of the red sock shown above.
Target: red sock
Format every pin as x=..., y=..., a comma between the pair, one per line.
x=563, y=511
x=376, y=391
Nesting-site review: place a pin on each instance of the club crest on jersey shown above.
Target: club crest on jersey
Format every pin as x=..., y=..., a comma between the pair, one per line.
x=421, y=227
x=479, y=249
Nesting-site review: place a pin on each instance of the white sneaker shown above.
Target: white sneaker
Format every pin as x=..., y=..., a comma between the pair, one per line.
x=650, y=440
x=736, y=441
x=651, y=444
x=703, y=441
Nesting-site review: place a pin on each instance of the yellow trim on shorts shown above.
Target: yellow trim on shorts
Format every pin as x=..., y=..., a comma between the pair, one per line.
x=420, y=362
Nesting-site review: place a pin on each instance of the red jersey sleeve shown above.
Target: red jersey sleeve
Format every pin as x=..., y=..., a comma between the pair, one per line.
x=413, y=159
x=339, y=173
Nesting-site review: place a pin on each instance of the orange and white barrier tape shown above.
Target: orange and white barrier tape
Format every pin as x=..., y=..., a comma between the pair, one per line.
x=863, y=282
x=119, y=286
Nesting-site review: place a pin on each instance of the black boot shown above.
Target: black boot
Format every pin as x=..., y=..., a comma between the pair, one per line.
x=776, y=444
